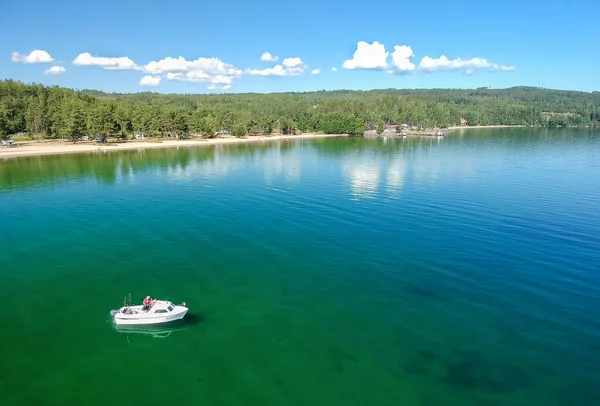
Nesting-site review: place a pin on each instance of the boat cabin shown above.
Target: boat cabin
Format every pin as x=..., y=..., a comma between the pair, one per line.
x=161, y=306
x=158, y=307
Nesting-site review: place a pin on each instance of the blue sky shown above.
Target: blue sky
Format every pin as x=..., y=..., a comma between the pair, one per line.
x=202, y=47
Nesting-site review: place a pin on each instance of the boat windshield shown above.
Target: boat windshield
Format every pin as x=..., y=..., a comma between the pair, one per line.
x=170, y=308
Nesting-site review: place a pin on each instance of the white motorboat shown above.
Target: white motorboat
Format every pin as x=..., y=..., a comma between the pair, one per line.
x=160, y=311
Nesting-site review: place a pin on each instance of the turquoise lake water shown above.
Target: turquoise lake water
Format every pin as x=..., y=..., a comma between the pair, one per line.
x=456, y=271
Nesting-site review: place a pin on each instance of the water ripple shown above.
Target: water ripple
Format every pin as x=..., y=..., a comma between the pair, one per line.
x=464, y=269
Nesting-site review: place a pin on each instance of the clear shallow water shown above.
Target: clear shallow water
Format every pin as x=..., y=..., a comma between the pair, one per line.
x=461, y=271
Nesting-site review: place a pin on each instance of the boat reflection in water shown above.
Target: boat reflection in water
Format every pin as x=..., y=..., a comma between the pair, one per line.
x=159, y=330
x=153, y=331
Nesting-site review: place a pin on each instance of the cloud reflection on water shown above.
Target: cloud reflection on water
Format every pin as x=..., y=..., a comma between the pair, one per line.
x=396, y=173
x=282, y=162
x=219, y=165
x=273, y=160
x=364, y=171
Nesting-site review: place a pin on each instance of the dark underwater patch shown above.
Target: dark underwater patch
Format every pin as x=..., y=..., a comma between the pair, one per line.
x=473, y=371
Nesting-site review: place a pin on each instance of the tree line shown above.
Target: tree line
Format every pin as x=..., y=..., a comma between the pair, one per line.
x=56, y=112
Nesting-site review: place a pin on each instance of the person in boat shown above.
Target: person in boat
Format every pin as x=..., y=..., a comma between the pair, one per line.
x=147, y=303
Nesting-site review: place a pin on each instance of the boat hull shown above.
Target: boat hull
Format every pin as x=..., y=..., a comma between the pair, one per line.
x=148, y=320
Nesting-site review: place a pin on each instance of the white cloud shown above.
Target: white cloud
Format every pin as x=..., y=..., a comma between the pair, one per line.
x=295, y=71
x=150, y=81
x=292, y=62
x=401, y=59
x=277, y=70
x=174, y=76
x=368, y=56
x=502, y=68
x=267, y=57
x=213, y=86
x=194, y=76
x=289, y=67
x=168, y=65
x=216, y=73
x=442, y=63
x=294, y=66
x=374, y=56
x=120, y=63
x=55, y=70
x=37, y=56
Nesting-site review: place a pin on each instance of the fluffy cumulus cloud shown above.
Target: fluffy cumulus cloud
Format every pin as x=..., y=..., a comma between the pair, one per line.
x=267, y=57
x=55, y=70
x=289, y=67
x=294, y=66
x=375, y=57
x=442, y=63
x=174, y=76
x=150, y=81
x=119, y=63
x=277, y=70
x=401, y=59
x=368, y=56
x=36, y=56
x=217, y=74
x=168, y=65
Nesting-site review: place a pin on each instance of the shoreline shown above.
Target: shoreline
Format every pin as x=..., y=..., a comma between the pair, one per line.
x=436, y=132
x=459, y=127
x=34, y=148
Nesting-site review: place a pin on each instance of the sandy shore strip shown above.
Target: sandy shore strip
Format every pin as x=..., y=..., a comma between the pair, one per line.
x=64, y=147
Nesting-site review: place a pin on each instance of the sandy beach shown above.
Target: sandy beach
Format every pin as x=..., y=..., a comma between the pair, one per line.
x=64, y=147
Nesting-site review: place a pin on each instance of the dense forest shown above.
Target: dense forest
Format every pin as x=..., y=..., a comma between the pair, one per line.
x=40, y=111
